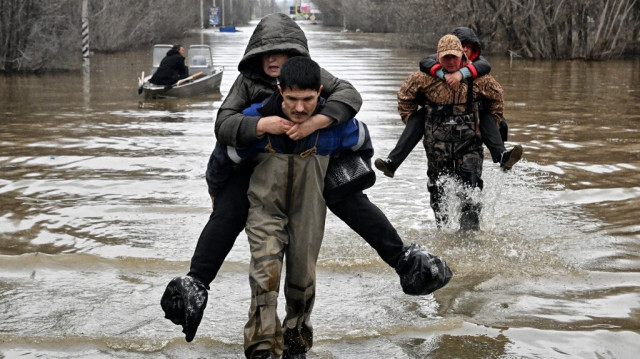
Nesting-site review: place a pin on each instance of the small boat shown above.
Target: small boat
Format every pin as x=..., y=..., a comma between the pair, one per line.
x=203, y=77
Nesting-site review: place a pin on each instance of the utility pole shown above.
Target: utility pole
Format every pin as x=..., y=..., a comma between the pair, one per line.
x=86, y=73
x=85, y=29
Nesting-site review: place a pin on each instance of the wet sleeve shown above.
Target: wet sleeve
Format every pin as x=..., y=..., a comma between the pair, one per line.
x=466, y=73
x=354, y=136
x=183, y=70
x=366, y=147
x=219, y=170
x=232, y=128
x=343, y=101
x=409, y=95
x=479, y=67
x=429, y=65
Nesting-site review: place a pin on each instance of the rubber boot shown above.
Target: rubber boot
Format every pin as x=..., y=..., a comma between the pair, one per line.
x=470, y=217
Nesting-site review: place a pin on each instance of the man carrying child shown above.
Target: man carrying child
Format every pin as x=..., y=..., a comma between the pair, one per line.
x=287, y=211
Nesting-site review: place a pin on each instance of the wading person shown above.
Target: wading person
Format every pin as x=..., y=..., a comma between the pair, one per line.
x=172, y=68
x=493, y=130
x=275, y=39
x=451, y=139
x=287, y=210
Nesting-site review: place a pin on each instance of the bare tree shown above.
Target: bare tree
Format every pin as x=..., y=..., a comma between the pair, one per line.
x=40, y=35
x=586, y=29
x=118, y=25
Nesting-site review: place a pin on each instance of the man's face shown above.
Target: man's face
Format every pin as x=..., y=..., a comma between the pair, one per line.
x=298, y=105
x=272, y=63
x=451, y=63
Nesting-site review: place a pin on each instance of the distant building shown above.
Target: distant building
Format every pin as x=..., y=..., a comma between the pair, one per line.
x=303, y=11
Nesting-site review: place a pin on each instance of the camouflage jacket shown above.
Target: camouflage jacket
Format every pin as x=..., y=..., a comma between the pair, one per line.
x=421, y=89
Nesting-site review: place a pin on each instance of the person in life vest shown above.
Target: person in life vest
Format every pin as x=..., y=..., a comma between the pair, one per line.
x=493, y=130
x=451, y=135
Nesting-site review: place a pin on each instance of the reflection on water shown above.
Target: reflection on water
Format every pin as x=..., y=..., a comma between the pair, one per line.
x=102, y=199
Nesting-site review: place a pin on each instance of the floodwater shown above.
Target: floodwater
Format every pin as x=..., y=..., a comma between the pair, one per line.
x=102, y=199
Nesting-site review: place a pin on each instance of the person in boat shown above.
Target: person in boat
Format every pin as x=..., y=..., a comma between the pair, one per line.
x=451, y=139
x=275, y=39
x=493, y=130
x=172, y=67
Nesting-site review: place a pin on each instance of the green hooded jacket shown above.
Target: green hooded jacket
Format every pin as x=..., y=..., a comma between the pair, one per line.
x=275, y=32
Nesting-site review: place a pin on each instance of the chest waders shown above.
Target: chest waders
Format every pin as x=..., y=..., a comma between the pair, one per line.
x=454, y=148
x=285, y=224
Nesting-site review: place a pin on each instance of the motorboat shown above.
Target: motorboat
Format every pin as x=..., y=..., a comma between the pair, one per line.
x=203, y=78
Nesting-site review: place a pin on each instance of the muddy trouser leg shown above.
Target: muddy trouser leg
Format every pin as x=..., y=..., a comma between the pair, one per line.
x=469, y=172
x=436, y=194
x=268, y=239
x=366, y=219
x=439, y=163
x=306, y=228
x=225, y=224
x=411, y=135
x=491, y=136
x=263, y=330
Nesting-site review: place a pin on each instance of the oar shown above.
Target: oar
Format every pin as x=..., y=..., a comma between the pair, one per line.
x=140, y=83
x=188, y=78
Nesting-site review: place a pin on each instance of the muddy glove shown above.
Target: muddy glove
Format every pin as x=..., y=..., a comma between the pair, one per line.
x=421, y=272
x=183, y=303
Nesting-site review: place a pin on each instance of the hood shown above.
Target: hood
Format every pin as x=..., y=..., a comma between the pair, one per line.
x=275, y=32
x=172, y=52
x=466, y=34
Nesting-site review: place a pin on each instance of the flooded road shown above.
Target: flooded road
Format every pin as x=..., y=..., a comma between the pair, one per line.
x=102, y=199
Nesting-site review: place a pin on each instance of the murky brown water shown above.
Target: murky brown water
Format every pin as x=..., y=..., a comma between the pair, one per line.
x=102, y=199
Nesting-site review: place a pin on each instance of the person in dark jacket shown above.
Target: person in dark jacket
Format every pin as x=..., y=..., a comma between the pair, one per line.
x=492, y=129
x=275, y=39
x=172, y=68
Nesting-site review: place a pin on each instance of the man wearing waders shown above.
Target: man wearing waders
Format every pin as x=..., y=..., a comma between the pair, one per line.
x=452, y=140
x=492, y=130
x=287, y=211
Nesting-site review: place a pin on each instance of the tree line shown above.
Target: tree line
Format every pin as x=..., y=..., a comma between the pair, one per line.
x=38, y=35
x=543, y=29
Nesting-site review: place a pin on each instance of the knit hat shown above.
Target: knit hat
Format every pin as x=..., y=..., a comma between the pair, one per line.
x=449, y=45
